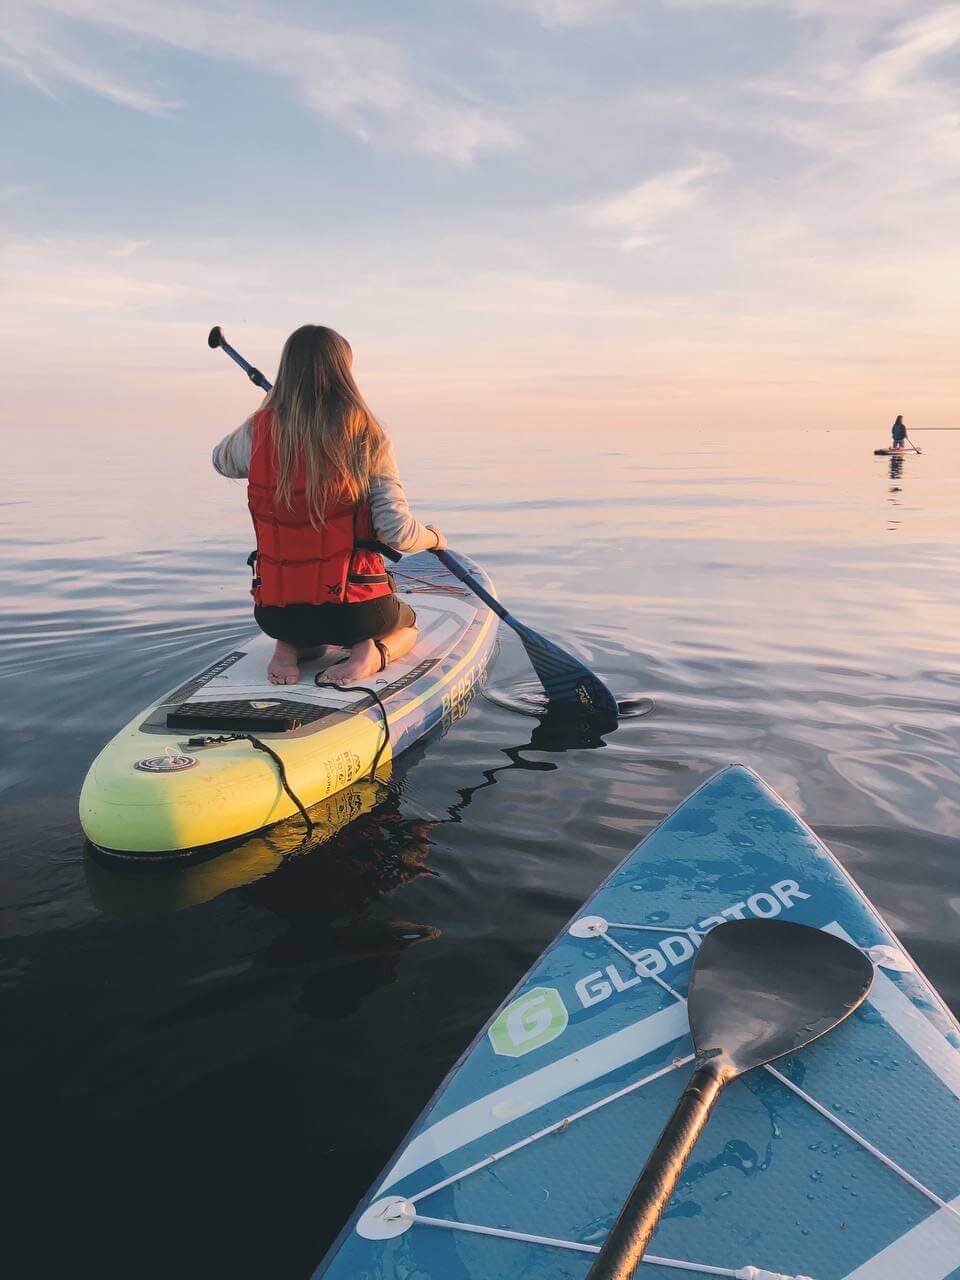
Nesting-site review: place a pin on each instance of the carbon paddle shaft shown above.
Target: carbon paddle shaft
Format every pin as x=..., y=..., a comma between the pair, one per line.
x=627, y=1242
x=216, y=339
x=468, y=580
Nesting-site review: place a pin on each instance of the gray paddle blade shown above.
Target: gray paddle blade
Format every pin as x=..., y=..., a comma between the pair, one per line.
x=763, y=988
x=568, y=683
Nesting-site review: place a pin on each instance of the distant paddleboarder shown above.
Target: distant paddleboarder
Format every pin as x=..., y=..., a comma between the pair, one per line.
x=899, y=431
x=327, y=505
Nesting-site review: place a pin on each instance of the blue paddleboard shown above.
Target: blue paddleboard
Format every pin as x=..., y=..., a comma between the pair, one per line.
x=841, y=1162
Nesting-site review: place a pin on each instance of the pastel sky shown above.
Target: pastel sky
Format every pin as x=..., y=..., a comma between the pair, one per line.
x=643, y=213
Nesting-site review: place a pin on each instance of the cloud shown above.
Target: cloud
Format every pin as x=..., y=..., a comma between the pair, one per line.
x=876, y=114
x=637, y=214
x=364, y=83
x=869, y=10
x=798, y=181
x=128, y=248
x=30, y=54
x=48, y=276
x=841, y=68
x=565, y=13
x=455, y=332
x=894, y=72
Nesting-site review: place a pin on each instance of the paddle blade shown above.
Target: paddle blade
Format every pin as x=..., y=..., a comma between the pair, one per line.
x=763, y=988
x=759, y=989
x=568, y=683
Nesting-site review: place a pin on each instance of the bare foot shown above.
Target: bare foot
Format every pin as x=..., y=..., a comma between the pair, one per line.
x=283, y=667
x=363, y=662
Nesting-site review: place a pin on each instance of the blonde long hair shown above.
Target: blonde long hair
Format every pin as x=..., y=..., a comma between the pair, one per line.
x=323, y=422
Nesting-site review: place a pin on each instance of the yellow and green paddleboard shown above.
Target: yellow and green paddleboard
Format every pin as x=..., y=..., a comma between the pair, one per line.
x=165, y=789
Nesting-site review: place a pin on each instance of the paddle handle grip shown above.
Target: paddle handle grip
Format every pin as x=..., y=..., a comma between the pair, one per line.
x=216, y=339
x=627, y=1242
x=468, y=580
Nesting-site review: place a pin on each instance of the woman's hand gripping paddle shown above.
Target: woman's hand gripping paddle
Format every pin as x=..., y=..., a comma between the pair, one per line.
x=759, y=989
x=569, y=685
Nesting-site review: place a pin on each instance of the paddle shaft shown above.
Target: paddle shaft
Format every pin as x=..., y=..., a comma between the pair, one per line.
x=468, y=580
x=216, y=339
x=568, y=684
x=626, y=1244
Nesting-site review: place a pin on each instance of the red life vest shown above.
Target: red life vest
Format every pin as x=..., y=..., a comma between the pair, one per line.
x=296, y=562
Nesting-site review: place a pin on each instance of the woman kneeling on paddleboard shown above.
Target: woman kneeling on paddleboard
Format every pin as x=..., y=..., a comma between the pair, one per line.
x=327, y=504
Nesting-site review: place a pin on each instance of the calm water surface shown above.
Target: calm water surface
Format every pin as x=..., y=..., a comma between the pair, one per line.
x=206, y=1069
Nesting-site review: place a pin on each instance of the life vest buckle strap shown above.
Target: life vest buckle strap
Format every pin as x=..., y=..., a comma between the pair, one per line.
x=371, y=544
x=252, y=562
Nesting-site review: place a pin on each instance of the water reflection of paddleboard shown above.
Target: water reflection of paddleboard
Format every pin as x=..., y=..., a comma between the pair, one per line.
x=164, y=789
x=175, y=887
x=840, y=1161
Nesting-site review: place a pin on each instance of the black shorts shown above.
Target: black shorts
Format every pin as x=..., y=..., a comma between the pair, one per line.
x=307, y=625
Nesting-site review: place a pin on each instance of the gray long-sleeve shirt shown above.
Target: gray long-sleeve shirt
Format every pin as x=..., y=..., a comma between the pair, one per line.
x=393, y=522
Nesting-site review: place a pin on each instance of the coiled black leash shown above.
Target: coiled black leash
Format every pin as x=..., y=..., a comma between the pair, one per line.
x=258, y=744
x=268, y=750
x=362, y=688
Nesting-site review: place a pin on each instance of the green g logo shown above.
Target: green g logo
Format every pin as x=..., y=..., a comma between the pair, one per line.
x=532, y=1020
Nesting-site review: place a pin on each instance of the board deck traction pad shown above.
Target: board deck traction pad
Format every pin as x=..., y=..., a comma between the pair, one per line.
x=841, y=1162
x=237, y=679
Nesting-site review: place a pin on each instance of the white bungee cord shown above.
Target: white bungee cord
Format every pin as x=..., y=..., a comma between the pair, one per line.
x=394, y=1215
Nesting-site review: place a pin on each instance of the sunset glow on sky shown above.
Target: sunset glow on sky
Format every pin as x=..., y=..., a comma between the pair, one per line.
x=549, y=212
